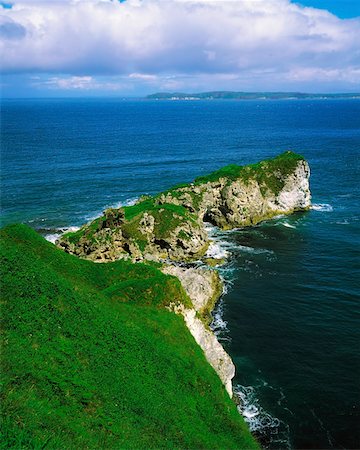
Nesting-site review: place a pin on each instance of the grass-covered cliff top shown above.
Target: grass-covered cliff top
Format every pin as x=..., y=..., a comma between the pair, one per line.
x=167, y=218
x=92, y=359
x=269, y=173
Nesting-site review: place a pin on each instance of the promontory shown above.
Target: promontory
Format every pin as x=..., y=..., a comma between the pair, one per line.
x=120, y=354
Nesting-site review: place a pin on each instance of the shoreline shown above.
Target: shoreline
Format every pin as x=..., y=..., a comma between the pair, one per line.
x=205, y=287
x=175, y=232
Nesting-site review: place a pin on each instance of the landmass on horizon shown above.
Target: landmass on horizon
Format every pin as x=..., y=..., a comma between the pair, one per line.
x=234, y=95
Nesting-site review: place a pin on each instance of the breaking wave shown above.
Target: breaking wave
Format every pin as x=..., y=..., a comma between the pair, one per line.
x=129, y=202
x=57, y=232
x=325, y=207
x=271, y=431
x=287, y=225
x=218, y=324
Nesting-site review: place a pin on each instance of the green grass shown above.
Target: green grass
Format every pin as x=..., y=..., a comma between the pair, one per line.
x=167, y=218
x=91, y=359
x=270, y=174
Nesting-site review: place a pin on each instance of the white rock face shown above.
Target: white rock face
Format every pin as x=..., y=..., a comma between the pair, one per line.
x=201, y=285
x=213, y=350
x=296, y=191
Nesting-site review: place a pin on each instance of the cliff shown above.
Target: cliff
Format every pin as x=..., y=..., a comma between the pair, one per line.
x=170, y=226
x=91, y=351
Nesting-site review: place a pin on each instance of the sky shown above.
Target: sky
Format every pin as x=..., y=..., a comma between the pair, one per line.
x=130, y=48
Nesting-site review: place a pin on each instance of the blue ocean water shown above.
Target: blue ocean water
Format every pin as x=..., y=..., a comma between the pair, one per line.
x=290, y=318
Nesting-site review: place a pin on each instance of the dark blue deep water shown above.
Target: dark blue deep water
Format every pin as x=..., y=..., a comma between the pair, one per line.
x=290, y=319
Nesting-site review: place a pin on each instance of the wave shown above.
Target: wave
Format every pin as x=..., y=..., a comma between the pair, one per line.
x=324, y=207
x=54, y=235
x=256, y=417
x=219, y=325
x=274, y=432
x=217, y=251
x=128, y=202
x=252, y=250
x=287, y=225
x=221, y=245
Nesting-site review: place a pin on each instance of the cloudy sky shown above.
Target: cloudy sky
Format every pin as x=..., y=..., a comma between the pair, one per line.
x=134, y=47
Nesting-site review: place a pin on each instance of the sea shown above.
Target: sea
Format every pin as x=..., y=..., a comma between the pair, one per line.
x=290, y=313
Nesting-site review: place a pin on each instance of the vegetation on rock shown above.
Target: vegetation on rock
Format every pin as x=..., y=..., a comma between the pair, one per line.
x=270, y=174
x=170, y=224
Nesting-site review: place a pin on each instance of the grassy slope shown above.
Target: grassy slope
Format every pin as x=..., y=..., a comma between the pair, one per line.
x=90, y=360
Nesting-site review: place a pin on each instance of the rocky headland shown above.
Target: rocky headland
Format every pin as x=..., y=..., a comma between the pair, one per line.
x=169, y=229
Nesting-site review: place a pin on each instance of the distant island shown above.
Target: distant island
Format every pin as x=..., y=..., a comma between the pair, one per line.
x=232, y=95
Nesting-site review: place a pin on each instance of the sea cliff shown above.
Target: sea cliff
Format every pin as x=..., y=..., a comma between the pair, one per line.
x=169, y=229
x=171, y=225
x=93, y=354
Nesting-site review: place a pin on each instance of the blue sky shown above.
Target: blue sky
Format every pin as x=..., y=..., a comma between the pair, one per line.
x=109, y=48
x=344, y=9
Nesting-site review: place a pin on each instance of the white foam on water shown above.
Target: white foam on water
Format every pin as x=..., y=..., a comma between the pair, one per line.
x=324, y=207
x=216, y=251
x=252, y=250
x=128, y=202
x=255, y=416
x=223, y=246
x=275, y=432
x=219, y=247
x=287, y=225
x=53, y=237
x=218, y=324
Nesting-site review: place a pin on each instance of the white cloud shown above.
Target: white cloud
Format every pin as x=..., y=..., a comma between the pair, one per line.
x=83, y=83
x=163, y=41
x=143, y=77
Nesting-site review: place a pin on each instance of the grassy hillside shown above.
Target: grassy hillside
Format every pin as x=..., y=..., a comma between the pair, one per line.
x=92, y=359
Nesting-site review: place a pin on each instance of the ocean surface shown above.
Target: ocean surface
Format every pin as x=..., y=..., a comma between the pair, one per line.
x=290, y=318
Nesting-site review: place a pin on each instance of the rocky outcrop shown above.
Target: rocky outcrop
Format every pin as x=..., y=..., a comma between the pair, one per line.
x=203, y=286
x=241, y=196
x=170, y=226
x=147, y=231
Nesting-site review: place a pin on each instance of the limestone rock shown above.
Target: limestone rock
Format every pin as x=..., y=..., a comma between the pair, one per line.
x=170, y=226
x=203, y=286
x=213, y=350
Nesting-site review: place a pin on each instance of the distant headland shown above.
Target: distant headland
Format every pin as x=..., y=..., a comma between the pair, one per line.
x=232, y=95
